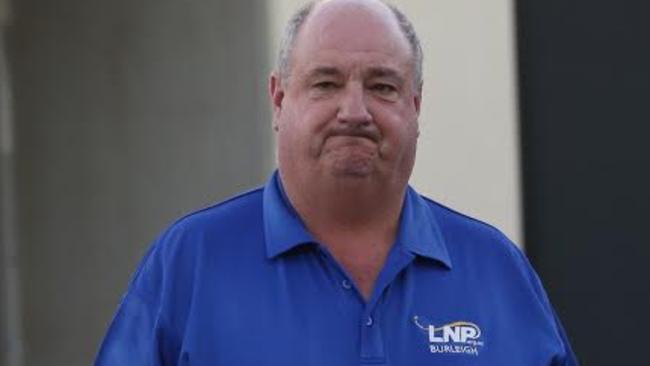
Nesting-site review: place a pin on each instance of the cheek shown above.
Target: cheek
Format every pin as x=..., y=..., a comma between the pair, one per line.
x=300, y=136
x=410, y=137
x=313, y=120
x=401, y=143
x=407, y=146
x=399, y=126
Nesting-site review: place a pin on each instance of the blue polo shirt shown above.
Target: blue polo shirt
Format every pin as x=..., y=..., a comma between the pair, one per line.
x=244, y=283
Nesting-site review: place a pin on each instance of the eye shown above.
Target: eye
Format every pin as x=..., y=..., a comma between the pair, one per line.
x=385, y=91
x=384, y=88
x=325, y=85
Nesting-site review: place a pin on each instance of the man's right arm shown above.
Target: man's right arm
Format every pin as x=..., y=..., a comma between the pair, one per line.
x=133, y=337
x=142, y=332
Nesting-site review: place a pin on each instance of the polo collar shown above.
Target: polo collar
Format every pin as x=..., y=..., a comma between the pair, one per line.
x=283, y=228
x=419, y=232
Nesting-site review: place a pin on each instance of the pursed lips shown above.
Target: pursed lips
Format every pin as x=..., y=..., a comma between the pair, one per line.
x=371, y=135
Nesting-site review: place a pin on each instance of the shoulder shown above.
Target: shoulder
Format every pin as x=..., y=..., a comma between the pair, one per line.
x=194, y=238
x=220, y=228
x=221, y=216
x=477, y=246
x=461, y=229
x=480, y=248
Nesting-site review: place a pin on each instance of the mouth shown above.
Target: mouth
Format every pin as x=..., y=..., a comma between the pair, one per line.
x=351, y=144
x=354, y=134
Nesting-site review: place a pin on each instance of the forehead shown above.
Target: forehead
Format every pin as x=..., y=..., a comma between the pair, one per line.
x=351, y=33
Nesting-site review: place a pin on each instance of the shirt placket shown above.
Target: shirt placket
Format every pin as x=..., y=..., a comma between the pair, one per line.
x=372, y=348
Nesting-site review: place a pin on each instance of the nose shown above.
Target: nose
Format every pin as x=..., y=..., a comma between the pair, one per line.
x=353, y=109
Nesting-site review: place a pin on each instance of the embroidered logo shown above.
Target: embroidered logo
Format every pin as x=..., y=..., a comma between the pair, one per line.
x=459, y=337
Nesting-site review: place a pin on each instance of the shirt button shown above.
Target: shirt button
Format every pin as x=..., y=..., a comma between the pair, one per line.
x=346, y=284
x=369, y=322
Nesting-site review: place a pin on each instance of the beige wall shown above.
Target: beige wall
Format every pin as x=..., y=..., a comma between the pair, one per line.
x=468, y=154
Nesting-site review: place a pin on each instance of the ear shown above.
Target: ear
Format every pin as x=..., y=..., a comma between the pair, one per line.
x=417, y=99
x=417, y=103
x=276, y=94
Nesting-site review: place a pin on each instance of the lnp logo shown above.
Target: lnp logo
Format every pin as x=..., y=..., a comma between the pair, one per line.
x=460, y=337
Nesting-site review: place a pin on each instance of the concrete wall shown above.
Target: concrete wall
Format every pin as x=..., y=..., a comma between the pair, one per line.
x=468, y=153
x=11, y=350
x=128, y=114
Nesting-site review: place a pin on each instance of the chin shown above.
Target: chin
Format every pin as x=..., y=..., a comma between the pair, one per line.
x=355, y=162
x=353, y=168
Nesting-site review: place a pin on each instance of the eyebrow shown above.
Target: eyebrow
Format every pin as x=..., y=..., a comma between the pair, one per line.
x=324, y=71
x=384, y=72
x=371, y=72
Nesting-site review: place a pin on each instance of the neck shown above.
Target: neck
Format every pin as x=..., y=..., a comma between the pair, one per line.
x=355, y=218
x=330, y=205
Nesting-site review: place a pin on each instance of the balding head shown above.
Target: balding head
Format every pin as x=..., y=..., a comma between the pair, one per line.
x=296, y=22
x=348, y=110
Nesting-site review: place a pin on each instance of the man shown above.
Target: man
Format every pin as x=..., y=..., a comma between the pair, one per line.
x=336, y=261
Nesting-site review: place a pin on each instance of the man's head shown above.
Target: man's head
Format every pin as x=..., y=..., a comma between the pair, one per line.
x=295, y=22
x=346, y=96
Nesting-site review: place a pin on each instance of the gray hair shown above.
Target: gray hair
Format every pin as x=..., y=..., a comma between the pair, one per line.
x=295, y=22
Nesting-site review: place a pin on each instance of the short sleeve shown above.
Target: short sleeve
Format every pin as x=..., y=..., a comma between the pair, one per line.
x=138, y=334
x=133, y=337
x=568, y=358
